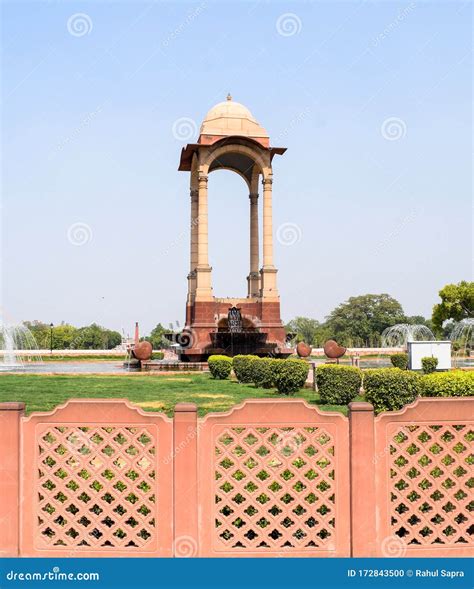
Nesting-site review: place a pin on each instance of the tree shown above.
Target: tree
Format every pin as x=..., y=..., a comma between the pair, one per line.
x=157, y=337
x=63, y=336
x=41, y=332
x=361, y=320
x=457, y=303
x=95, y=337
x=305, y=329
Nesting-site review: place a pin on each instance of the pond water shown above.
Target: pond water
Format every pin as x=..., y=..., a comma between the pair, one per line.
x=71, y=367
x=116, y=366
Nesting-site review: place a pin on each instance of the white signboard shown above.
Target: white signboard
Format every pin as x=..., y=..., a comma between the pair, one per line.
x=419, y=350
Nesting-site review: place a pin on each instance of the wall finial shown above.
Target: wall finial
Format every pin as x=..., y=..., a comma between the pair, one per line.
x=229, y=97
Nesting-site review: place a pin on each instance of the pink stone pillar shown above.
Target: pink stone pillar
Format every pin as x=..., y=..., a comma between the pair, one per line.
x=185, y=481
x=362, y=472
x=10, y=416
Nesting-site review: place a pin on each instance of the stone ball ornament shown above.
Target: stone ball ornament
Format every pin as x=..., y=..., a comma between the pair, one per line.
x=142, y=350
x=333, y=350
x=303, y=350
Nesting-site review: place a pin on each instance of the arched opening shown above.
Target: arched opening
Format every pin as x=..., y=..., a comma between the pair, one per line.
x=229, y=243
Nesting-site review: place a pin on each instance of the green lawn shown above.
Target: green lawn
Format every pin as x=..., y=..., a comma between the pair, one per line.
x=153, y=393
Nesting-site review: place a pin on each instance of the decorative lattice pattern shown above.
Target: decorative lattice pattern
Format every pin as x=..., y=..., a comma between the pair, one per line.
x=274, y=489
x=96, y=487
x=431, y=484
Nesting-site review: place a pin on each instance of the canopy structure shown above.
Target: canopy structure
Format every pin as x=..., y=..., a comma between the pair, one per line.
x=232, y=139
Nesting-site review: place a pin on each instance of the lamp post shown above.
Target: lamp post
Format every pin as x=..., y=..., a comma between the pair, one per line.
x=51, y=337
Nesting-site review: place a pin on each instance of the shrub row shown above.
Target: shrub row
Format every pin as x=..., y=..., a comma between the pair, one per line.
x=220, y=366
x=338, y=385
x=389, y=389
x=456, y=383
x=429, y=364
x=288, y=376
x=399, y=361
x=291, y=375
x=243, y=367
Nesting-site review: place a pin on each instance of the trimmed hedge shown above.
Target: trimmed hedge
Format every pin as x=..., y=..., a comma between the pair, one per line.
x=429, y=364
x=338, y=385
x=242, y=365
x=220, y=366
x=390, y=389
x=291, y=375
x=456, y=383
x=399, y=361
x=264, y=372
x=157, y=356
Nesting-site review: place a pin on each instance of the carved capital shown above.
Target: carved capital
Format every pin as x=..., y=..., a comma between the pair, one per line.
x=194, y=192
x=202, y=179
x=253, y=197
x=267, y=182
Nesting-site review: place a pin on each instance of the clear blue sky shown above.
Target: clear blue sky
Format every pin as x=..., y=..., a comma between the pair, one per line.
x=87, y=138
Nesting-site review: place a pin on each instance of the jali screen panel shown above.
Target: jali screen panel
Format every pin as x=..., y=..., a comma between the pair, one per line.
x=274, y=480
x=97, y=481
x=424, y=479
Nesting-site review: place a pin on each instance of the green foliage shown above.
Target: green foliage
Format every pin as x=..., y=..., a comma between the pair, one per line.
x=264, y=372
x=389, y=389
x=157, y=356
x=95, y=337
x=306, y=329
x=429, y=364
x=220, y=366
x=157, y=337
x=399, y=361
x=456, y=346
x=456, y=383
x=68, y=337
x=457, y=303
x=338, y=384
x=242, y=365
x=291, y=375
x=361, y=320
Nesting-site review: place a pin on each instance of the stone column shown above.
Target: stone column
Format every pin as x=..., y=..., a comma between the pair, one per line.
x=10, y=480
x=194, y=193
x=268, y=272
x=267, y=224
x=203, y=270
x=254, y=278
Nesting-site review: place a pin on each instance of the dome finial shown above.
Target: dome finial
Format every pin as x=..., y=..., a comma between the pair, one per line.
x=229, y=97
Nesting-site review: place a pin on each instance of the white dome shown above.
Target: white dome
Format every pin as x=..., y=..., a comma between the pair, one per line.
x=231, y=118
